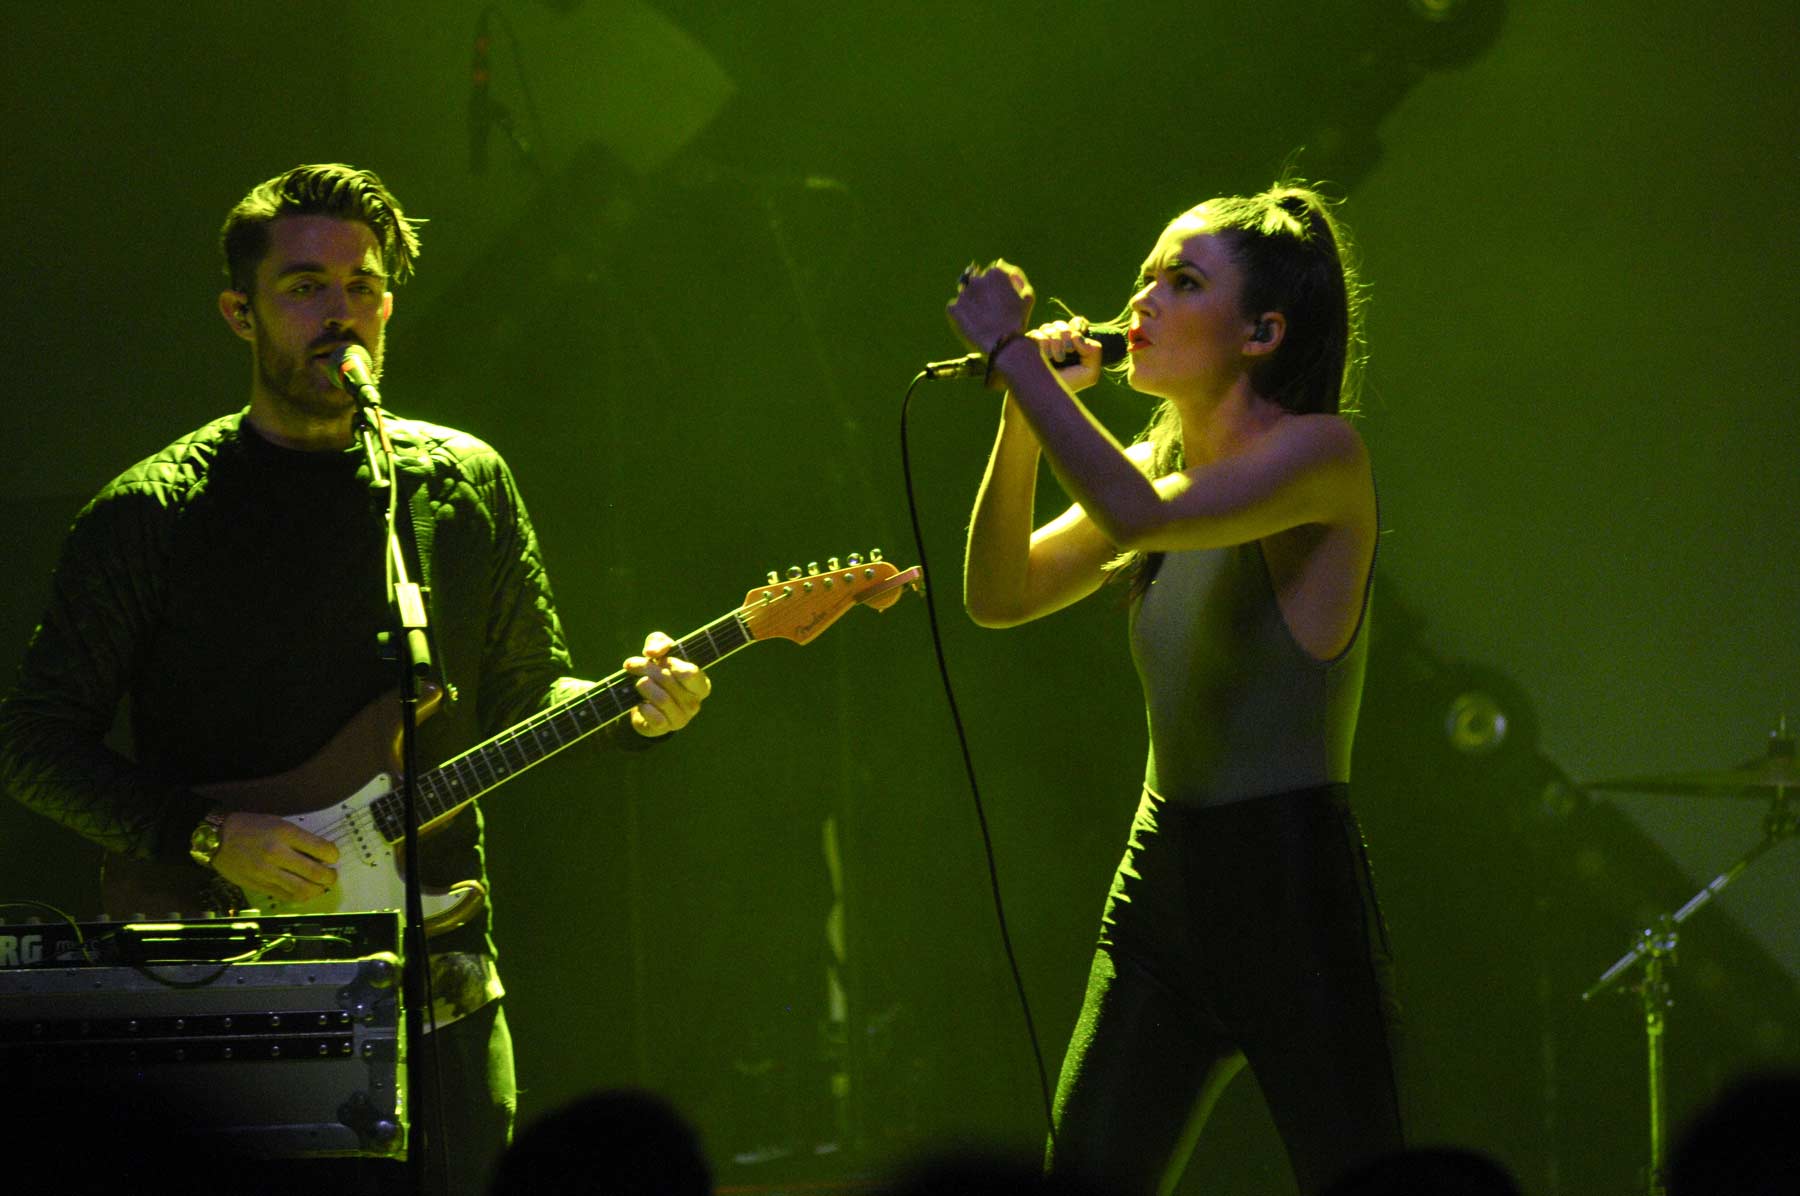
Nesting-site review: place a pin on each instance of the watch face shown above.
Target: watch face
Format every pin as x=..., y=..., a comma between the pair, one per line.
x=203, y=844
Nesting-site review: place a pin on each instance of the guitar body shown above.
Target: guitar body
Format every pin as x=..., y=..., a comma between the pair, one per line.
x=361, y=761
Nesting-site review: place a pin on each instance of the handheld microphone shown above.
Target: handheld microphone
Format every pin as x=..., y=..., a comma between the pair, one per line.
x=354, y=373
x=1113, y=346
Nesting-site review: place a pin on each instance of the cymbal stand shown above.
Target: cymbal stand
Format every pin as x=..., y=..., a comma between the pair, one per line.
x=1655, y=949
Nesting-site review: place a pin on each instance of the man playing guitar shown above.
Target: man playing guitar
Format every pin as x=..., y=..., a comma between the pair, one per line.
x=231, y=586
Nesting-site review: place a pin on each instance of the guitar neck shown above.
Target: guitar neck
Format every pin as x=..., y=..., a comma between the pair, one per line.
x=459, y=781
x=798, y=609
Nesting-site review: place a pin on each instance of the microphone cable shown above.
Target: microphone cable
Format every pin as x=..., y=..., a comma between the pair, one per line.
x=962, y=740
x=486, y=111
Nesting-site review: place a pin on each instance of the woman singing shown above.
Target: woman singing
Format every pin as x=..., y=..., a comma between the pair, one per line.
x=1241, y=926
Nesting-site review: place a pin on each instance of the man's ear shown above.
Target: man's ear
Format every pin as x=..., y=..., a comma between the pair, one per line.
x=235, y=307
x=387, y=306
x=1266, y=334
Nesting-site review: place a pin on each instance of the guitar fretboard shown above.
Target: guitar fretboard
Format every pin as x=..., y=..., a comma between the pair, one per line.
x=459, y=781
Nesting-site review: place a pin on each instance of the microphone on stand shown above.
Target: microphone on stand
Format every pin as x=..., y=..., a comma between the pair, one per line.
x=1113, y=346
x=354, y=373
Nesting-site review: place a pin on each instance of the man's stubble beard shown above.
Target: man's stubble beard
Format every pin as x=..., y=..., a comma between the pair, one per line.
x=302, y=386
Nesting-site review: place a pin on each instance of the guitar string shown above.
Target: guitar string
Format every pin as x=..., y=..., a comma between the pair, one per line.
x=444, y=775
x=448, y=775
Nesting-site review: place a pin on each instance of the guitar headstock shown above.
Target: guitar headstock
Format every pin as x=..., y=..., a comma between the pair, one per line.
x=807, y=601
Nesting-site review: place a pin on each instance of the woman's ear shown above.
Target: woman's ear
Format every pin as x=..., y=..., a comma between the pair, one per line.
x=1266, y=334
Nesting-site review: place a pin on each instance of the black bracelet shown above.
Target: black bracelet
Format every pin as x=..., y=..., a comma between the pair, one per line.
x=987, y=374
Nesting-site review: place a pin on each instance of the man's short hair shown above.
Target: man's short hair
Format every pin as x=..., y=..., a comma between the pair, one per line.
x=328, y=189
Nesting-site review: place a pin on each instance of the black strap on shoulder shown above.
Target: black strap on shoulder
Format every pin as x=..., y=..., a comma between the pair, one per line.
x=423, y=526
x=424, y=529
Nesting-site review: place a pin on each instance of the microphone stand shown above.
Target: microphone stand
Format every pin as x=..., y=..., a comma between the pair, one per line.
x=411, y=652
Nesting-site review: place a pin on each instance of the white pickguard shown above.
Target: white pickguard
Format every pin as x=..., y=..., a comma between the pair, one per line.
x=369, y=876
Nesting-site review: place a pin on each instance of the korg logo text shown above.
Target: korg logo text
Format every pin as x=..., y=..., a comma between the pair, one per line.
x=21, y=949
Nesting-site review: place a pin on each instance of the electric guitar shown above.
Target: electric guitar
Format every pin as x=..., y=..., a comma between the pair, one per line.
x=363, y=761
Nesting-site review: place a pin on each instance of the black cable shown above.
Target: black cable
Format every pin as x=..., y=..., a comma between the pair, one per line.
x=524, y=146
x=253, y=955
x=962, y=740
x=68, y=919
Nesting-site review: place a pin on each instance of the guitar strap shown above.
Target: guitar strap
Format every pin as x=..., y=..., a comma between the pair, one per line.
x=423, y=526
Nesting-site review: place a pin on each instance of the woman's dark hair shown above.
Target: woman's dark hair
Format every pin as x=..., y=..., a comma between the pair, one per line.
x=1296, y=259
x=329, y=189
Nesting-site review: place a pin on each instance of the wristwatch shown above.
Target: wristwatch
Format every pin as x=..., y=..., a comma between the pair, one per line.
x=207, y=838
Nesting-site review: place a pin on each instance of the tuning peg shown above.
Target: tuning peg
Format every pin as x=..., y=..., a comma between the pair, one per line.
x=774, y=577
x=855, y=559
x=875, y=556
x=812, y=568
x=832, y=564
x=793, y=571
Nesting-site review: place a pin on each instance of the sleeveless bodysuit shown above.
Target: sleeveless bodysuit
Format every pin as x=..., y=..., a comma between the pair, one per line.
x=1237, y=708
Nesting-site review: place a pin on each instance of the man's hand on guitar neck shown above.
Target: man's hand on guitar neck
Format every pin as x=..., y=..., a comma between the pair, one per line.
x=672, y=688
x=265, y=853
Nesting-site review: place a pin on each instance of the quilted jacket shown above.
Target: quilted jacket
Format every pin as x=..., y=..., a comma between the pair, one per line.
x=230, y=591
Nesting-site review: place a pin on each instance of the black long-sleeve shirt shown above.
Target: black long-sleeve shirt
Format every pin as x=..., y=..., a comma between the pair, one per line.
x=232, y=590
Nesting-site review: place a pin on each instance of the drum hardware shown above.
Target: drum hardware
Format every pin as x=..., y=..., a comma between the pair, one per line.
x=1775, y=778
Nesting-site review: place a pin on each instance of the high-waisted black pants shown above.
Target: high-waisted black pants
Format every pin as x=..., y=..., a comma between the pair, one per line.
x=1242, y=933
